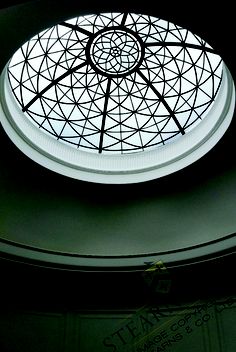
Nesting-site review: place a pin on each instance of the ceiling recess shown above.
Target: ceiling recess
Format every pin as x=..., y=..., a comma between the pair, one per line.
x=116, y=98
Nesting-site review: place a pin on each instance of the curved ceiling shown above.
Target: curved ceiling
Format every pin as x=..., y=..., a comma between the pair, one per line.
x=51, y=218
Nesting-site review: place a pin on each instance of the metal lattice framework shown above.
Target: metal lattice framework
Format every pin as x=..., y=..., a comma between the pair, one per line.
x=115, y=83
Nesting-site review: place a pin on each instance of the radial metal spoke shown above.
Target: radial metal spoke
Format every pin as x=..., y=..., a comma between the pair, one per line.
x=181, y=44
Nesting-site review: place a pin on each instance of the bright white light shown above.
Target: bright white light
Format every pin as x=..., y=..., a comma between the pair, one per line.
x=117, y=88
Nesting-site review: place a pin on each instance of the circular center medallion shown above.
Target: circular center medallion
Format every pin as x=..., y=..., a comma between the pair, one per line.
x=115, y=52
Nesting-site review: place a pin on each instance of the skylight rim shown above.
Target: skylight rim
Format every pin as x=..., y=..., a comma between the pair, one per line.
x=110, y=166
x=108, y=175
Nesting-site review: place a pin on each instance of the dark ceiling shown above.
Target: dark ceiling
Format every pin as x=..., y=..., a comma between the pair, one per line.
x=216, y=24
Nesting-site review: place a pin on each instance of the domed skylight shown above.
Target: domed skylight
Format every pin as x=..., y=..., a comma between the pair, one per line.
x=117, y=94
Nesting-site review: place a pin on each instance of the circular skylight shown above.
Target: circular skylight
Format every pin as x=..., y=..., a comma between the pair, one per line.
x=116, y=97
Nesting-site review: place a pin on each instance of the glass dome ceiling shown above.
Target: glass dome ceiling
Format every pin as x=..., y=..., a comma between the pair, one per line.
x=112, y=86
x=51, y=221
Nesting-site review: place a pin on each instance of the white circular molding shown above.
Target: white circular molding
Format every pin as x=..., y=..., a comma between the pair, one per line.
x=156, y=82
